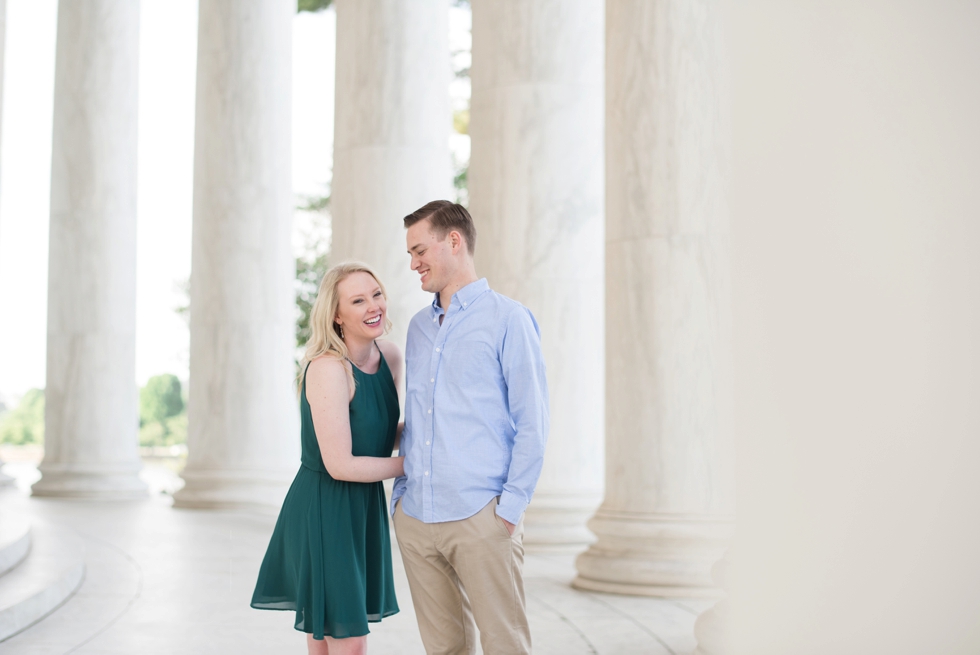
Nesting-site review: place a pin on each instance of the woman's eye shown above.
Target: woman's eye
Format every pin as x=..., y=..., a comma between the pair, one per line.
x=358, y=301
x=377, y=294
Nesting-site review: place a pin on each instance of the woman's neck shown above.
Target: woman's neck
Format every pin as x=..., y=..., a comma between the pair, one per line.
x=359, y=352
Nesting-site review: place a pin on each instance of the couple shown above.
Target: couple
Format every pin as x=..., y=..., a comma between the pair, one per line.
x=472, y=444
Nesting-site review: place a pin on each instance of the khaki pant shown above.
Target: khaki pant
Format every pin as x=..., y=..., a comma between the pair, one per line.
x=459, y=571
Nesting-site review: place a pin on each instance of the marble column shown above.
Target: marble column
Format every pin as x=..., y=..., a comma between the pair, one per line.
x=712, y=628
x=667, y=515
x=536, y=189
x=91, y=412
x=391, y=135
x=4, y=478
x=243, y=420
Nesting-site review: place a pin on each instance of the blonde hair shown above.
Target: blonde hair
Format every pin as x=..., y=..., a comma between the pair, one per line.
x=325, y=337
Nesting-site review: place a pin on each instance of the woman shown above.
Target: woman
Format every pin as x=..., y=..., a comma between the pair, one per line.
x=329, y=559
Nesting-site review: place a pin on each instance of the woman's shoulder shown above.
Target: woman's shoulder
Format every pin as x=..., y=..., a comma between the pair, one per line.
x=326, y=368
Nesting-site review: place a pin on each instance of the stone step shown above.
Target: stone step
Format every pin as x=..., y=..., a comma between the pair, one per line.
x=15, y=541
x=50, y=573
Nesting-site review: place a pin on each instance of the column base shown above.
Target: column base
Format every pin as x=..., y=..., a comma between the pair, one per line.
x=5, y=479
x=712, y=627
x=90, y=484
x=555, y=522
x=711, y=630
x=250, y=490
x=666, y=555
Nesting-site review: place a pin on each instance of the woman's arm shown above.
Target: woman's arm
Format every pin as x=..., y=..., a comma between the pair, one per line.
x=396, y=365
x=328, y=393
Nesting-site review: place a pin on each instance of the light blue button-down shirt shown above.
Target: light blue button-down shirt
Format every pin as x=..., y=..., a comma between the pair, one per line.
x=476, y=413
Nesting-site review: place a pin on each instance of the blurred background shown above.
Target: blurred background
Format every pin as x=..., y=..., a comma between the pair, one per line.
x=844, y=146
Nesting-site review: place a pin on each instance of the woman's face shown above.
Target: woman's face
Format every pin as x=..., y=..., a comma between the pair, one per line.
x=362, y=307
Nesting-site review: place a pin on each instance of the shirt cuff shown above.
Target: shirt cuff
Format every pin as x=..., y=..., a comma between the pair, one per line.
x=396, y=493
x=511, y=507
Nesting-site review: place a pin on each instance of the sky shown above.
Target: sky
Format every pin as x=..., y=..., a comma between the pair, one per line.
x=168, y=46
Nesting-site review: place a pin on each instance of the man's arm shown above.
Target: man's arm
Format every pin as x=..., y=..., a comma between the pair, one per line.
x=527, y=393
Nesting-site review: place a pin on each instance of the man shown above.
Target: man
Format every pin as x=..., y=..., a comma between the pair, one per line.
x=476, y=422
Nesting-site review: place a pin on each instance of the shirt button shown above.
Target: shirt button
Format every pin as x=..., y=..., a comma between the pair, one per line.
x=432, y=380
x=464, y=304
x=430, y=411
x=426, y=472
x=438, y=350
x=426, y=443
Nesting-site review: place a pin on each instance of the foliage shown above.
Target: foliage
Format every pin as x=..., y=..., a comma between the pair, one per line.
x=25, y=423
x=461, y=121
x=461, y=182
x=184, y=309
x=163, y=421
x=169, y=432
x=311, y=263
x=312, y=5
x=160, y=399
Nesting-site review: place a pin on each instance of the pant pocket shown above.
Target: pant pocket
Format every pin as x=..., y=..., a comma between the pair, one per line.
x=496, y=519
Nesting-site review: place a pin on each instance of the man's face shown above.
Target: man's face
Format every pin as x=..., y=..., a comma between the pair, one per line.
x=432, y=257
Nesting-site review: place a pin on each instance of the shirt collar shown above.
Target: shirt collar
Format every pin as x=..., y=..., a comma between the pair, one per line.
x=465, y=296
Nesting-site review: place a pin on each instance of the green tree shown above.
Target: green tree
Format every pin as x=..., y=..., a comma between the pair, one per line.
x=311, y=263
x=160, y=399
x=312, y=5
x=25, y=423
x=163, y=421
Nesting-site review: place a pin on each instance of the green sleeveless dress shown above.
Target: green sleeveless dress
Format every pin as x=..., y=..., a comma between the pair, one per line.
x=329, y=559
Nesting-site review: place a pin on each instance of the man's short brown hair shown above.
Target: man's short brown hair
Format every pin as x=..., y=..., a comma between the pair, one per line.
x=445, y=216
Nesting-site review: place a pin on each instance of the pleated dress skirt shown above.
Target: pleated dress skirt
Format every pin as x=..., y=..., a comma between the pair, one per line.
x=329, y=558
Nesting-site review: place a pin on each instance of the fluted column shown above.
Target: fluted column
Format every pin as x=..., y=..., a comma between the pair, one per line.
x=536, y=187
x=243, y=422
x=91, y=414
x=668, y=507
x=391, y=132
x=4, y=478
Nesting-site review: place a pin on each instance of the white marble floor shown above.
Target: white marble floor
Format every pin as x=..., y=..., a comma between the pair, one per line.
x=168, y=581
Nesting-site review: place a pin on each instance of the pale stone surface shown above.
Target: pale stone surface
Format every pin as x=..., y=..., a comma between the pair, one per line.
x=669, y=503
x=713, y=627
x=150, y=568
x=91, y=396
x=4, y=478
x=536, y=188
x=391, y=133
x=243, y=421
